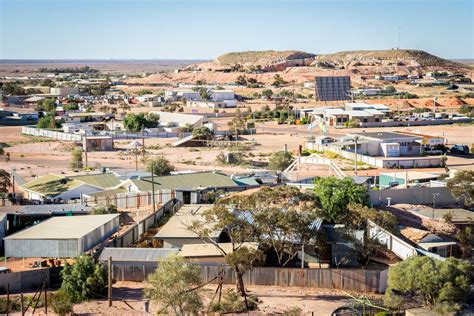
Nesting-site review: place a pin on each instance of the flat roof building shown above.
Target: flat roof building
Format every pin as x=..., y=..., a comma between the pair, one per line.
x=61, y=237
x=175, y=233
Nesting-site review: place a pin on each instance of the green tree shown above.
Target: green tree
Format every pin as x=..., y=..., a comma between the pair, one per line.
x=46, y=105
x=462, y=188
x=285, y=223
x=204, y=93
x=84, y=279
x=76, y=161
x=5, y=182
x=357, y=215
x=390, y=89
x=267, y=93
x=335, y=194
x=280, y=160
x=464, y=236
x=278, y=81
x=137, y=122
x=10, y=88
x=172, y=285
x=160, y=166
x=433, y=281
x=237, y=124
x=203, y=133
x=71, y=106
x=230, y=215
x=48, y=121
x=241, y=80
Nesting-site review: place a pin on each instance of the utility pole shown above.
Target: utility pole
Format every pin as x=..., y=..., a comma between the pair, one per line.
x=45, y=298
x=109, y=268
x=85, y=150
x=153, y=185
x=355, y=151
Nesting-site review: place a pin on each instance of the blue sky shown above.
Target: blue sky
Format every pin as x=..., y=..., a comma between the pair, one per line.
x=186, y=29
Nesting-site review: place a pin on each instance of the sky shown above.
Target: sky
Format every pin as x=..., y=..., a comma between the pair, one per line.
x=205, y=29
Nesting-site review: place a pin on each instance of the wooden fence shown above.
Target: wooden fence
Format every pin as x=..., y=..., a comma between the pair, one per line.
x=374, y=281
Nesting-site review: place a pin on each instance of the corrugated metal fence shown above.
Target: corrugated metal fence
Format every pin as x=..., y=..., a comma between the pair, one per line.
x=343, y=279
x=131, y=199
x=133, y=234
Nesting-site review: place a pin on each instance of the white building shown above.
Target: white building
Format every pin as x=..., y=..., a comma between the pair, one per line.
x=180, y=94
x=179, y=119
x=222, y=95
x=64, y=91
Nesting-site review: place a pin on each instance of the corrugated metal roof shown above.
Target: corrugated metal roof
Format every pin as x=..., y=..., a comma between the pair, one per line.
x=136, y=254
x=186, y=181
x=64, y=227
x=46, y=209
x=52, y=185
x=100, y=180
x=176, y=227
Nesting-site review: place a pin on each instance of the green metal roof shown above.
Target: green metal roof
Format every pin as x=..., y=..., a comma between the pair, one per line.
x=51, y=185
x=99, y=180
x=185, y=181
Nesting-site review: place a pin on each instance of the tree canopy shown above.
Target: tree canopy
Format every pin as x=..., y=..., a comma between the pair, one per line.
x=203, y=133
x=461, y=187
x=172, y=284
x=280, y=160
x=84, y=279
x=160, y=166
x=434, y=282
x=137, y=122
x=5, y=182
x=335, y=194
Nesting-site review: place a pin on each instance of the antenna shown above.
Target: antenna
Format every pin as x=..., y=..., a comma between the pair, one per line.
x=399, y=32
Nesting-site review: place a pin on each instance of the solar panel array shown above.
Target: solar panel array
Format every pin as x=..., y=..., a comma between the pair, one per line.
x=332, y=88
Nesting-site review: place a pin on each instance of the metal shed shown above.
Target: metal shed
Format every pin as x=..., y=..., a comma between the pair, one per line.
x=61, y=237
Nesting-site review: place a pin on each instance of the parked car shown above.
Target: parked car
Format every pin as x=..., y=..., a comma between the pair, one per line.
x=459, y=149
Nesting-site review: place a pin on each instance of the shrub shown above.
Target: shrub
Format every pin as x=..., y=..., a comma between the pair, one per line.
x=232, y=302
x=84, y=279
x=61, y=303
x=280, y=160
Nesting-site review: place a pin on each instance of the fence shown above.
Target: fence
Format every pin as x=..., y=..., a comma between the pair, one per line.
x=415, y=123
x=130, y=199
x=413, y=195
x=24, y=280
x=29, y=130
x=342, y=279
x=393, y=243
x=381, y=162
x=134, y=233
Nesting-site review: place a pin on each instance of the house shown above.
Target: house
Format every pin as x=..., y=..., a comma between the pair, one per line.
x=64, y=91
x=59, y=187
x=222, y=95
x=388, y=144
x=189, y=187
x=428, y=241
x=211, y=104
x=332, y=116
x=405, y=178
x=61, y=237
x=180, y=119
x=358, y=106
x=98, y=143
x=182, y=94
x=149, y=99
x=175, y=232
